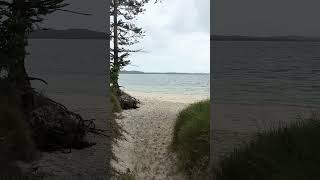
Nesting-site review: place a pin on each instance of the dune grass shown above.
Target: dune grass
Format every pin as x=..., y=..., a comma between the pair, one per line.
x=287, y=153
x=15, y=140
x=116, y=107
x=191, y=141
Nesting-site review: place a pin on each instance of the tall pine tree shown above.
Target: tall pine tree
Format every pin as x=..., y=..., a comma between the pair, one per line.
x=123, y=33
x=19, y=19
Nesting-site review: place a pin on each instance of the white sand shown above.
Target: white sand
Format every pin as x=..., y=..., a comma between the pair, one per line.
x=150, y=130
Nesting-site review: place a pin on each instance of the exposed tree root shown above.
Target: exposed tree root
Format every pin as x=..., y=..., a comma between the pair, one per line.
x=54, y=127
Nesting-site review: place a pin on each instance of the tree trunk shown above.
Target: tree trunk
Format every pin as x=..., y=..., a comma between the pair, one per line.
x=18, y=72
x=116, y=66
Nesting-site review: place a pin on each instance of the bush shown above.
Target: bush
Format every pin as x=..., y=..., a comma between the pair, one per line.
x=287, y=153
x=191, y=140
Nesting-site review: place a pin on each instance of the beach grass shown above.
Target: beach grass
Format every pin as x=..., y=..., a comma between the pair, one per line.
x=286, y=153
x=116, y=107
x=191, y=141
x=16, y=143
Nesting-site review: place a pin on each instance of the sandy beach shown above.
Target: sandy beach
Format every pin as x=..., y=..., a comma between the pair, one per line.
x=150, y=127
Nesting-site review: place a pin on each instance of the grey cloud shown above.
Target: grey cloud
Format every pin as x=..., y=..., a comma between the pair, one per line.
x=177, y=30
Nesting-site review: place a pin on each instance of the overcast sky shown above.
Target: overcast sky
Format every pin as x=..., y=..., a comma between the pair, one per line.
x=266, y=17
x=177, y=33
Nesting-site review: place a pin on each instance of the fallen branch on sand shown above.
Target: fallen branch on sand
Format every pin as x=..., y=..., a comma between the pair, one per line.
x=127, y=101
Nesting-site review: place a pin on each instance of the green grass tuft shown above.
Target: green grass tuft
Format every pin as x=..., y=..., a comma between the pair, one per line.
x=116, y=107
x=288, y=153
x=191, y=141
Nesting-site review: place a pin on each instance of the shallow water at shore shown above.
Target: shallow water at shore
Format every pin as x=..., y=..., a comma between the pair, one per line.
x=182, y=98
x=167, y=84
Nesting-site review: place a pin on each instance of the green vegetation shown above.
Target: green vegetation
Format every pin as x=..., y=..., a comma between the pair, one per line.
x=124, y=32
x=15, y=140
x=191, y=140
x=287, y=153
x=116, y=107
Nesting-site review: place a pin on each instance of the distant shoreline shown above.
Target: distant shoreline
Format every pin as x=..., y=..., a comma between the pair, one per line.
x=68, y=34
x=67, y=38
x=140, y=72
x=271, y=38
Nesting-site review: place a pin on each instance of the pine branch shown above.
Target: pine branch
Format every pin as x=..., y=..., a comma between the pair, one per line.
x=74, y=12
x=38, y=79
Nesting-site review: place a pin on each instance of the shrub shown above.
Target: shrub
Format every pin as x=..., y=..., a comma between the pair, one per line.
x=287, y=153
x=116, y=107
x=191, y=140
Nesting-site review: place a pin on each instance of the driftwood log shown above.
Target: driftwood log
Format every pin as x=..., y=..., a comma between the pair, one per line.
x=127, y=101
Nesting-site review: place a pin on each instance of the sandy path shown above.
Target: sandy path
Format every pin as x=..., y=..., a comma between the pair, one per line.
x=150, y=131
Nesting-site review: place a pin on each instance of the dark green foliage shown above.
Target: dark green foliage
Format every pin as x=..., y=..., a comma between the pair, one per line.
x=116, y=107
x=17, y=19
x=289, y=153
x=124, y=33
x=191, y=137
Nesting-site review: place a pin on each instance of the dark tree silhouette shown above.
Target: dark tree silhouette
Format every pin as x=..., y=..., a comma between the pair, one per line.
x=51, y=123
x=18, y=19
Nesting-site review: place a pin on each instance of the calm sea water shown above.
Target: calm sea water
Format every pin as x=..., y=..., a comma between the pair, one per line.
x=243, y=72
x=266, y=72
x=180, y=84
x=75, y=70
x=79, y=67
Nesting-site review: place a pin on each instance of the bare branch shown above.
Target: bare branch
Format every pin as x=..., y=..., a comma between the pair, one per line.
x=38, y=79
x=74, y=12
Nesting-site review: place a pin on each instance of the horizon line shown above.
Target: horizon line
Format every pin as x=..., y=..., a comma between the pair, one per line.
x=144, y=72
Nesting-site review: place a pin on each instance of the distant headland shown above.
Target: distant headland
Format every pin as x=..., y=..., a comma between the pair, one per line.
x=262, y=38
x=140, y=72
x=67, y=34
